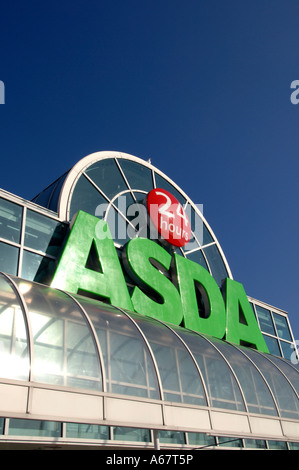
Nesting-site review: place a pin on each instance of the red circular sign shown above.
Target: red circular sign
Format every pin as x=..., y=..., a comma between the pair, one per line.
x=168, y=217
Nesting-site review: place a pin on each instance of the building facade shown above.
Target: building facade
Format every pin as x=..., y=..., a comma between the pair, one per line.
x=90, y=359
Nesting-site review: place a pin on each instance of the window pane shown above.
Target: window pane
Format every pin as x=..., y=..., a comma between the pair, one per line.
x=287, y=350
x=265, y=320
x=201, y=439
x=216, y=264
x=229, y=442
x=86, y=198
x=277, y=445
x=64, y=349
x=131, y=434
x=43, y=234
x=180, y=379
x=198, y=257
x=106, y=175
x=282, y=327
x=128, y=364
x=172, y=437
x=87, y=431
x=138, y=176
x=272, y=344
x=10, y=220
x=14, y=350
x=255, y=443
x=37, y=268
x=284, y=395
x=256, y=392
x=221, y=385
x=9, y=256
x=27, y=427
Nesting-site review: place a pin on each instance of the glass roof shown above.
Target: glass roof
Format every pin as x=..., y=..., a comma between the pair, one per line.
x=52, y=337
x=108, y=186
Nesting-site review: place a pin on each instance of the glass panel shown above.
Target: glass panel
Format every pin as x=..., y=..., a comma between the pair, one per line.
x=37, y=268
x=131, y=434
x=221, y=385
x=285, y=397
x=9, y=256
x=138, y=176
x=54, y=197
x=43, y=234
x=255, y=443
x=14, y=350
x=256, y=392
x=28, y=427
x=180, y=378
x=85, y=197
x=216, y=264
x=2, y=421
x=201, y=439
x=294, y=445
x=198, y=257
x=162, y=183
x=128, y=364
x=289, y=371
x=282, y=327
x=272, y=344
x=265, y=320
x=10, y=220
x=121, y=232
x=106, y=175
x=64, y=349
x=287, y=350
x=172, y=437
x=277, y=445
x=87, y=431
x=229, y=442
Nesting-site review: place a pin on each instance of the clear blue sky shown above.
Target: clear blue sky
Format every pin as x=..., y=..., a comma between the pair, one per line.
x=200, y=87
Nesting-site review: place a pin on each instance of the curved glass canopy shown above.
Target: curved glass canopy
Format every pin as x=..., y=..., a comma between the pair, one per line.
x=49, y=336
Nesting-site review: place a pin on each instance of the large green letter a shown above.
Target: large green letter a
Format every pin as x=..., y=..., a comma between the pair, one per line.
x=89, y=263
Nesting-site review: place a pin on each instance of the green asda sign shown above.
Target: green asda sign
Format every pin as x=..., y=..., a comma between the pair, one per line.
x=189, y=296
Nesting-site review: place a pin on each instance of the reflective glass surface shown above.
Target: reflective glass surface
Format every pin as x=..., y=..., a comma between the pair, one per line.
x=180, y=379
x=85, y=197
x=138, y=176
x=222, y=387
x=216, y=263
x=106, y=175
x=43, y=234
x=10, y=220
x=265, y=320
x=282, y=327
x=27, y=427
x=9, y=257
x=87, y=431
x=37, y=267
x=14, y=350
x=76, y=341
x=64, y=350
x=257, y=394
x=284, y=394
x=128, y=365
